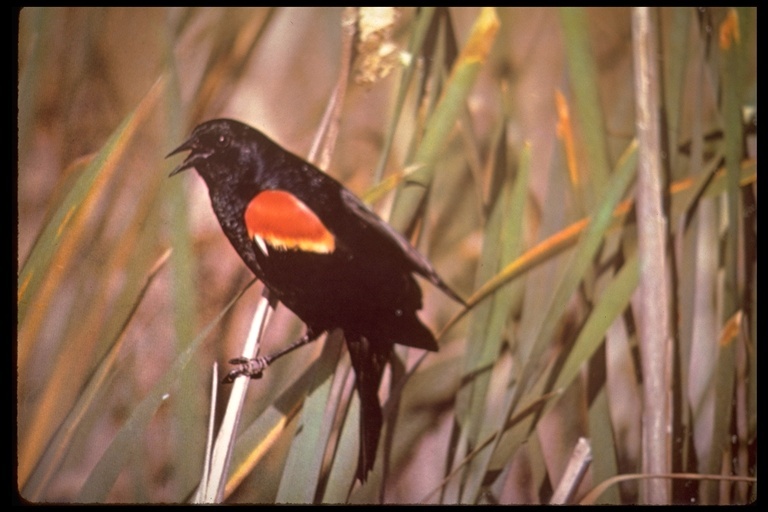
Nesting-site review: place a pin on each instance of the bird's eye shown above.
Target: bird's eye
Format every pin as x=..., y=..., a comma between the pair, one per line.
x=222, y=141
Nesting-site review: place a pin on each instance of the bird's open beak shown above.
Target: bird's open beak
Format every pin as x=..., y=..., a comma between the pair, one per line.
x=192, y=159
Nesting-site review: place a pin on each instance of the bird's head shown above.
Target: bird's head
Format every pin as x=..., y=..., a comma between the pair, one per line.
x=218, y=141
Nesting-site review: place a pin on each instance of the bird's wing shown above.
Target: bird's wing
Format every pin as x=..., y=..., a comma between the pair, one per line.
x=418, y=262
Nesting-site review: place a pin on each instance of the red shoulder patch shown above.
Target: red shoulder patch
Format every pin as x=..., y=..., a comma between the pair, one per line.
x=279, y=219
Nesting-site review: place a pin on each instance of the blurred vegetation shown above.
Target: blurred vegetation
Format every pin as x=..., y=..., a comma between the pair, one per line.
x=502, y=141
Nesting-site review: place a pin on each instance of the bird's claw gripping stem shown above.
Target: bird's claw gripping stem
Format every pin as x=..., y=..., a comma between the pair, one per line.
x=252, y=368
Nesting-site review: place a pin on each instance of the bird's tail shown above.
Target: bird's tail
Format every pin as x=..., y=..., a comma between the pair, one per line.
x=404, y=329
x=368, y=360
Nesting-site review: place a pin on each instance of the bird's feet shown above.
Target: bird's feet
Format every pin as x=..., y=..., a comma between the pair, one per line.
x=252, y=368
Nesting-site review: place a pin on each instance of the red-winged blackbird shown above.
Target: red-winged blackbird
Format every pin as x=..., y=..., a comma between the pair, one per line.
x=318, y=250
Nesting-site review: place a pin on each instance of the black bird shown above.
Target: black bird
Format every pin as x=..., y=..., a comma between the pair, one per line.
x=320, y=251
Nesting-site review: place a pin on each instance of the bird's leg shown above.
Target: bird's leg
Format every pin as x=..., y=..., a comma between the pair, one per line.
x=253, y=368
